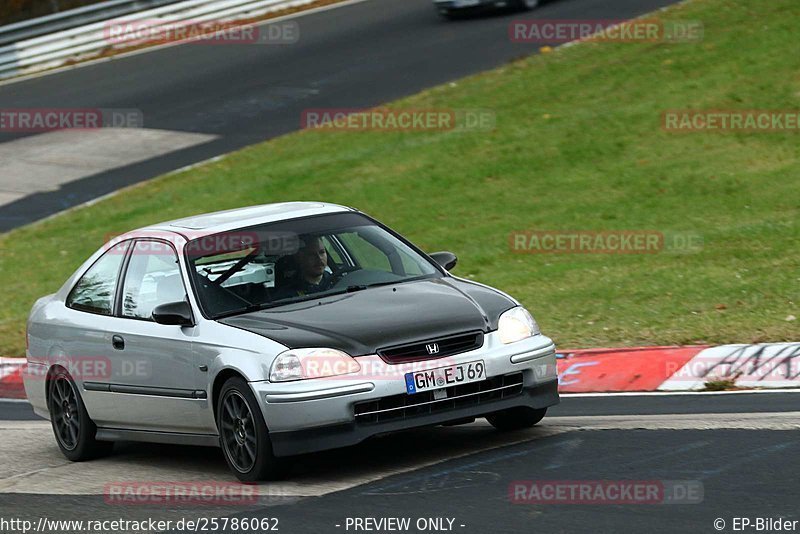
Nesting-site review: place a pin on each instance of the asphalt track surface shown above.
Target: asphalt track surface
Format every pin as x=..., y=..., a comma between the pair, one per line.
x=354, y=56
x=743, y=450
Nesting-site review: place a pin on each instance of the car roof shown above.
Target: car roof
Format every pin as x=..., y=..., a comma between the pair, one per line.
x=220, y=221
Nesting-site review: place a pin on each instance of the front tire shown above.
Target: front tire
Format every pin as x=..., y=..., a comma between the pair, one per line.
x=516, y=418
x=73, y=428
x=243, y=434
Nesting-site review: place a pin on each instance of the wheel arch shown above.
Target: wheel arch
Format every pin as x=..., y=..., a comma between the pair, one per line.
x=51, y=373
x=223, y=376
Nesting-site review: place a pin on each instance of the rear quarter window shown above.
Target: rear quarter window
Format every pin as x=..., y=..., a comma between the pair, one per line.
x=96, y=289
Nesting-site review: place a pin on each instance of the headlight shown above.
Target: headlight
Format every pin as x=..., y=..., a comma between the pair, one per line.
x=516, y=324
x=301, y=364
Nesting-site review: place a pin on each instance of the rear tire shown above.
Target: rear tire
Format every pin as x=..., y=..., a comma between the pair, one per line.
x=243, y=434
x=516, y=418
x=74, y=430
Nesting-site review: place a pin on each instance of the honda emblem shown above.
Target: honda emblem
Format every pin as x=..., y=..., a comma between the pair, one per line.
x=432, y=348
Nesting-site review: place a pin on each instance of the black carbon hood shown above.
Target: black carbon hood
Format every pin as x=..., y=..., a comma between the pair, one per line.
x=360, y=323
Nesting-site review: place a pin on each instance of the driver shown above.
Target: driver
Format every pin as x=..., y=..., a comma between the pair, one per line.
x=312, y=262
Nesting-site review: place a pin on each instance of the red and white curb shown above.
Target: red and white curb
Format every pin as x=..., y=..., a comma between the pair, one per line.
x=768, y=365
x=11, y=378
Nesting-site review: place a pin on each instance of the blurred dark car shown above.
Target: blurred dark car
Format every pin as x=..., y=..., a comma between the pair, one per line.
x=451, y=8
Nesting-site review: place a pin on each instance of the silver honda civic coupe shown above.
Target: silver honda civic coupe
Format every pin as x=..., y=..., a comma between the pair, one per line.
x=277, y=330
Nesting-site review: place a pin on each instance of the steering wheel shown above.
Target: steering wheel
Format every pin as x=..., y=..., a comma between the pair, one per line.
x=342, y=272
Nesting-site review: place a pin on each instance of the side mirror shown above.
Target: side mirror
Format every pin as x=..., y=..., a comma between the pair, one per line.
x=447, y=260
x=174, y=313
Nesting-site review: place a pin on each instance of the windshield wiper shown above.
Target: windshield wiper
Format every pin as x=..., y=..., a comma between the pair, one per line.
x=401, y=281
x=362, y=287
x=239, y=311
x=353, y=289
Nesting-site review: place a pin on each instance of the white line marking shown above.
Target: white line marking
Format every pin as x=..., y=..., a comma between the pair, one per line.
x=698, y=421
x=24, y=425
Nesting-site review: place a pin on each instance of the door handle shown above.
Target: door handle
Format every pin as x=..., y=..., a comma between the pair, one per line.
x=118, y=343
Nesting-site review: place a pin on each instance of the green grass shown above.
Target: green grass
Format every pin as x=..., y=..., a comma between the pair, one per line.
x=578, y=146
x=721, y=384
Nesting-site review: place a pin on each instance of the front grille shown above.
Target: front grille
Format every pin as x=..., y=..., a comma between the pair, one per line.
x=448, y=346
x=404, y=406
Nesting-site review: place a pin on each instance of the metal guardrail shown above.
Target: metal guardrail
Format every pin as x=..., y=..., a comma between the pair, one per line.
x=54, y=48
x=64, y=20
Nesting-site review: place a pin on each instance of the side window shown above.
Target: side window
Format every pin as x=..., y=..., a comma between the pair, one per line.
x=95, y=291
x=367, y=254
x=152, y=278
x=333, y=252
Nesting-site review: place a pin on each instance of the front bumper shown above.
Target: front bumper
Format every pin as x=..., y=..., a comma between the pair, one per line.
x=312, y=415
x=343, y=435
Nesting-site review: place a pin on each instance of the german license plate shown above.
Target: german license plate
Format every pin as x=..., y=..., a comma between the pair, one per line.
x=443, y=377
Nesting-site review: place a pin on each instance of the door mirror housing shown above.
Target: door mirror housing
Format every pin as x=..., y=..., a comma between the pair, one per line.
x=447, y=260
x=174, y=314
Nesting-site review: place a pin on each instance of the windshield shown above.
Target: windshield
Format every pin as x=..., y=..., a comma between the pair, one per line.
x=280, y=263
